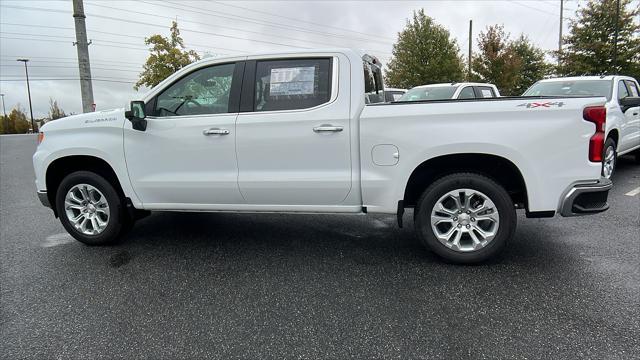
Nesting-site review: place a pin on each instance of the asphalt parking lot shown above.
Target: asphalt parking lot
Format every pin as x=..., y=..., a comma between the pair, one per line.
x=302, y=286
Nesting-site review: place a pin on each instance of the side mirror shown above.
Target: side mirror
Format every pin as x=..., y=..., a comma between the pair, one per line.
x=137, y=115
x=629, y=102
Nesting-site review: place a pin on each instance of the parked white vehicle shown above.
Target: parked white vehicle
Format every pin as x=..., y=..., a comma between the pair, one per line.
x=453, y=90
x=623, y=110
x=290, y=132
x=393, y=94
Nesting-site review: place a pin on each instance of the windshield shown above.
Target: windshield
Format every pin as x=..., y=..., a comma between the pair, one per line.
x=571, y=88
x=429, y=93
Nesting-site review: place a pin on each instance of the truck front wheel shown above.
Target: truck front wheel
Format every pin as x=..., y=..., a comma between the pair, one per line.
x=90, y=208
x=465, y=218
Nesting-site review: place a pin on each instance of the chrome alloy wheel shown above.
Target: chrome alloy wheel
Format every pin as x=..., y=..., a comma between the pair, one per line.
x=465, y=220
x=609, y=162
x=87, y=209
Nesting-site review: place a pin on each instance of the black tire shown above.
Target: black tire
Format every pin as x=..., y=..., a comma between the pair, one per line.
x=496, y=193
x=610, y=143
x=118, y=221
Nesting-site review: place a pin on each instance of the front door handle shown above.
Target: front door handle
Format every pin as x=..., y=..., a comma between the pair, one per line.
x=215, y=131
x=327, y=128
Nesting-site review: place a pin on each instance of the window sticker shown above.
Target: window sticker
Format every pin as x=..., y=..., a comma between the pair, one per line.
x=292, y=81
x=486, y=93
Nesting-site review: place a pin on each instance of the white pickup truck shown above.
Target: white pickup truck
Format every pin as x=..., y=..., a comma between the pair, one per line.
x=290, y=132
x=452, y=90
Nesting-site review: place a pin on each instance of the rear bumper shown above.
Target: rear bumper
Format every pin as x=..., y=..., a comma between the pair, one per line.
x=586, y=198
x=44, y=198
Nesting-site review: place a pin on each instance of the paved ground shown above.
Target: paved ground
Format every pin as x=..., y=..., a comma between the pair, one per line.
x=283, y=286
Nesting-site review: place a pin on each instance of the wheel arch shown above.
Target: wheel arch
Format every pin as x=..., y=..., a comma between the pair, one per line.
x=498, y=168
x=615, y=135
x=63, y=166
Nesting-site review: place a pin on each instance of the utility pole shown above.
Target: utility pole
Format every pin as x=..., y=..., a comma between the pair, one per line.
x=615, y=38
x=470, y=38
x=560, y=30
x=4, y=111
x=25, y=61
x=86, y=89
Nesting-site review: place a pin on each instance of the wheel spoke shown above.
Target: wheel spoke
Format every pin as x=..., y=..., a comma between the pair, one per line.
x=438, y=219
x=443, y=209
x=70, y=205
x=456, y=240
x=476, y=242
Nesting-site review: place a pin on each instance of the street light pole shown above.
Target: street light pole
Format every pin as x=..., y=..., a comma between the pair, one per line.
x=25, y=61
x=4, y=111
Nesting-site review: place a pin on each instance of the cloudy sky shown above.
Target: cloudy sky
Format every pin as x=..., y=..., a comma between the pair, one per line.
x=43, y=31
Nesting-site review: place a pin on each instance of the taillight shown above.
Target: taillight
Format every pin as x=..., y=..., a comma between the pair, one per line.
x=40, y=137
x=598, y=116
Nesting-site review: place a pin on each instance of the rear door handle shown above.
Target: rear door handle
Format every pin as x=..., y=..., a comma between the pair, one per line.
x=215, y=131
x=327, y=128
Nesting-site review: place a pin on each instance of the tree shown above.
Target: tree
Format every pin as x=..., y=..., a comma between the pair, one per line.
x=55, y=112
x=497, y=63
x=589, y=46
x=512, y=65
x=168, y=55
x=533, y=64
x=424, y=54
x=18, y=123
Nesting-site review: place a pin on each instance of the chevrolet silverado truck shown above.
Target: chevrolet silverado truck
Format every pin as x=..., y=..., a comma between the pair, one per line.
x=292, y=133
x=622, y=133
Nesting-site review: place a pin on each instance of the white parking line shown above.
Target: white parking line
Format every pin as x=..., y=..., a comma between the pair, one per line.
x=633, y=192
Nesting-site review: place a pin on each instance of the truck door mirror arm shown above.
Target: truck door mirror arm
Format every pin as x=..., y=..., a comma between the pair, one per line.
x=137, y=115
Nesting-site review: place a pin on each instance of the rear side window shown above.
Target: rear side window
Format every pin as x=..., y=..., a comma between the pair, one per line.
x=485, y=92
x=467, y=93
x=292, y=84
x=622, y=90
x=633, y=88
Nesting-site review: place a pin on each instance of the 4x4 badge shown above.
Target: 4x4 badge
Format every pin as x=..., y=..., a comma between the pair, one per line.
x=542, y=104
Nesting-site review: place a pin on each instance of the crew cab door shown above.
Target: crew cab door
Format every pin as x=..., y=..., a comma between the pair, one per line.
x=293, y=132
x=186, y=157
x=631, y=133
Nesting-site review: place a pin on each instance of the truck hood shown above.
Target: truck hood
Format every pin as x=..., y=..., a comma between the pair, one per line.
x=99, y=118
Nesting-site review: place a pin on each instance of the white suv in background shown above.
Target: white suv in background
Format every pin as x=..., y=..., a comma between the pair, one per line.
x=623, y=110
x=451, y=91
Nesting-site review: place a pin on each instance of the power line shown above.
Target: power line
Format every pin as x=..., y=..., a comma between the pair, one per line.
x=116, y=34
x=235, y=17
x=152, y=24
x=74, y=79
x=294, y=19
x=64, y=60
x=201, y=23
x=71, y=67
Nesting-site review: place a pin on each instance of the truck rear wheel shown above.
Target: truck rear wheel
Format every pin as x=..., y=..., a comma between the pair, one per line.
x=609, y=158
x=465, y=218
x=91, y=209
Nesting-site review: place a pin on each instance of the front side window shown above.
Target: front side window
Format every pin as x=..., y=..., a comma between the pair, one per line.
x=622, y=90
x=292, y=84
x=633, y=88
x=467, y=93
x=204, y=91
